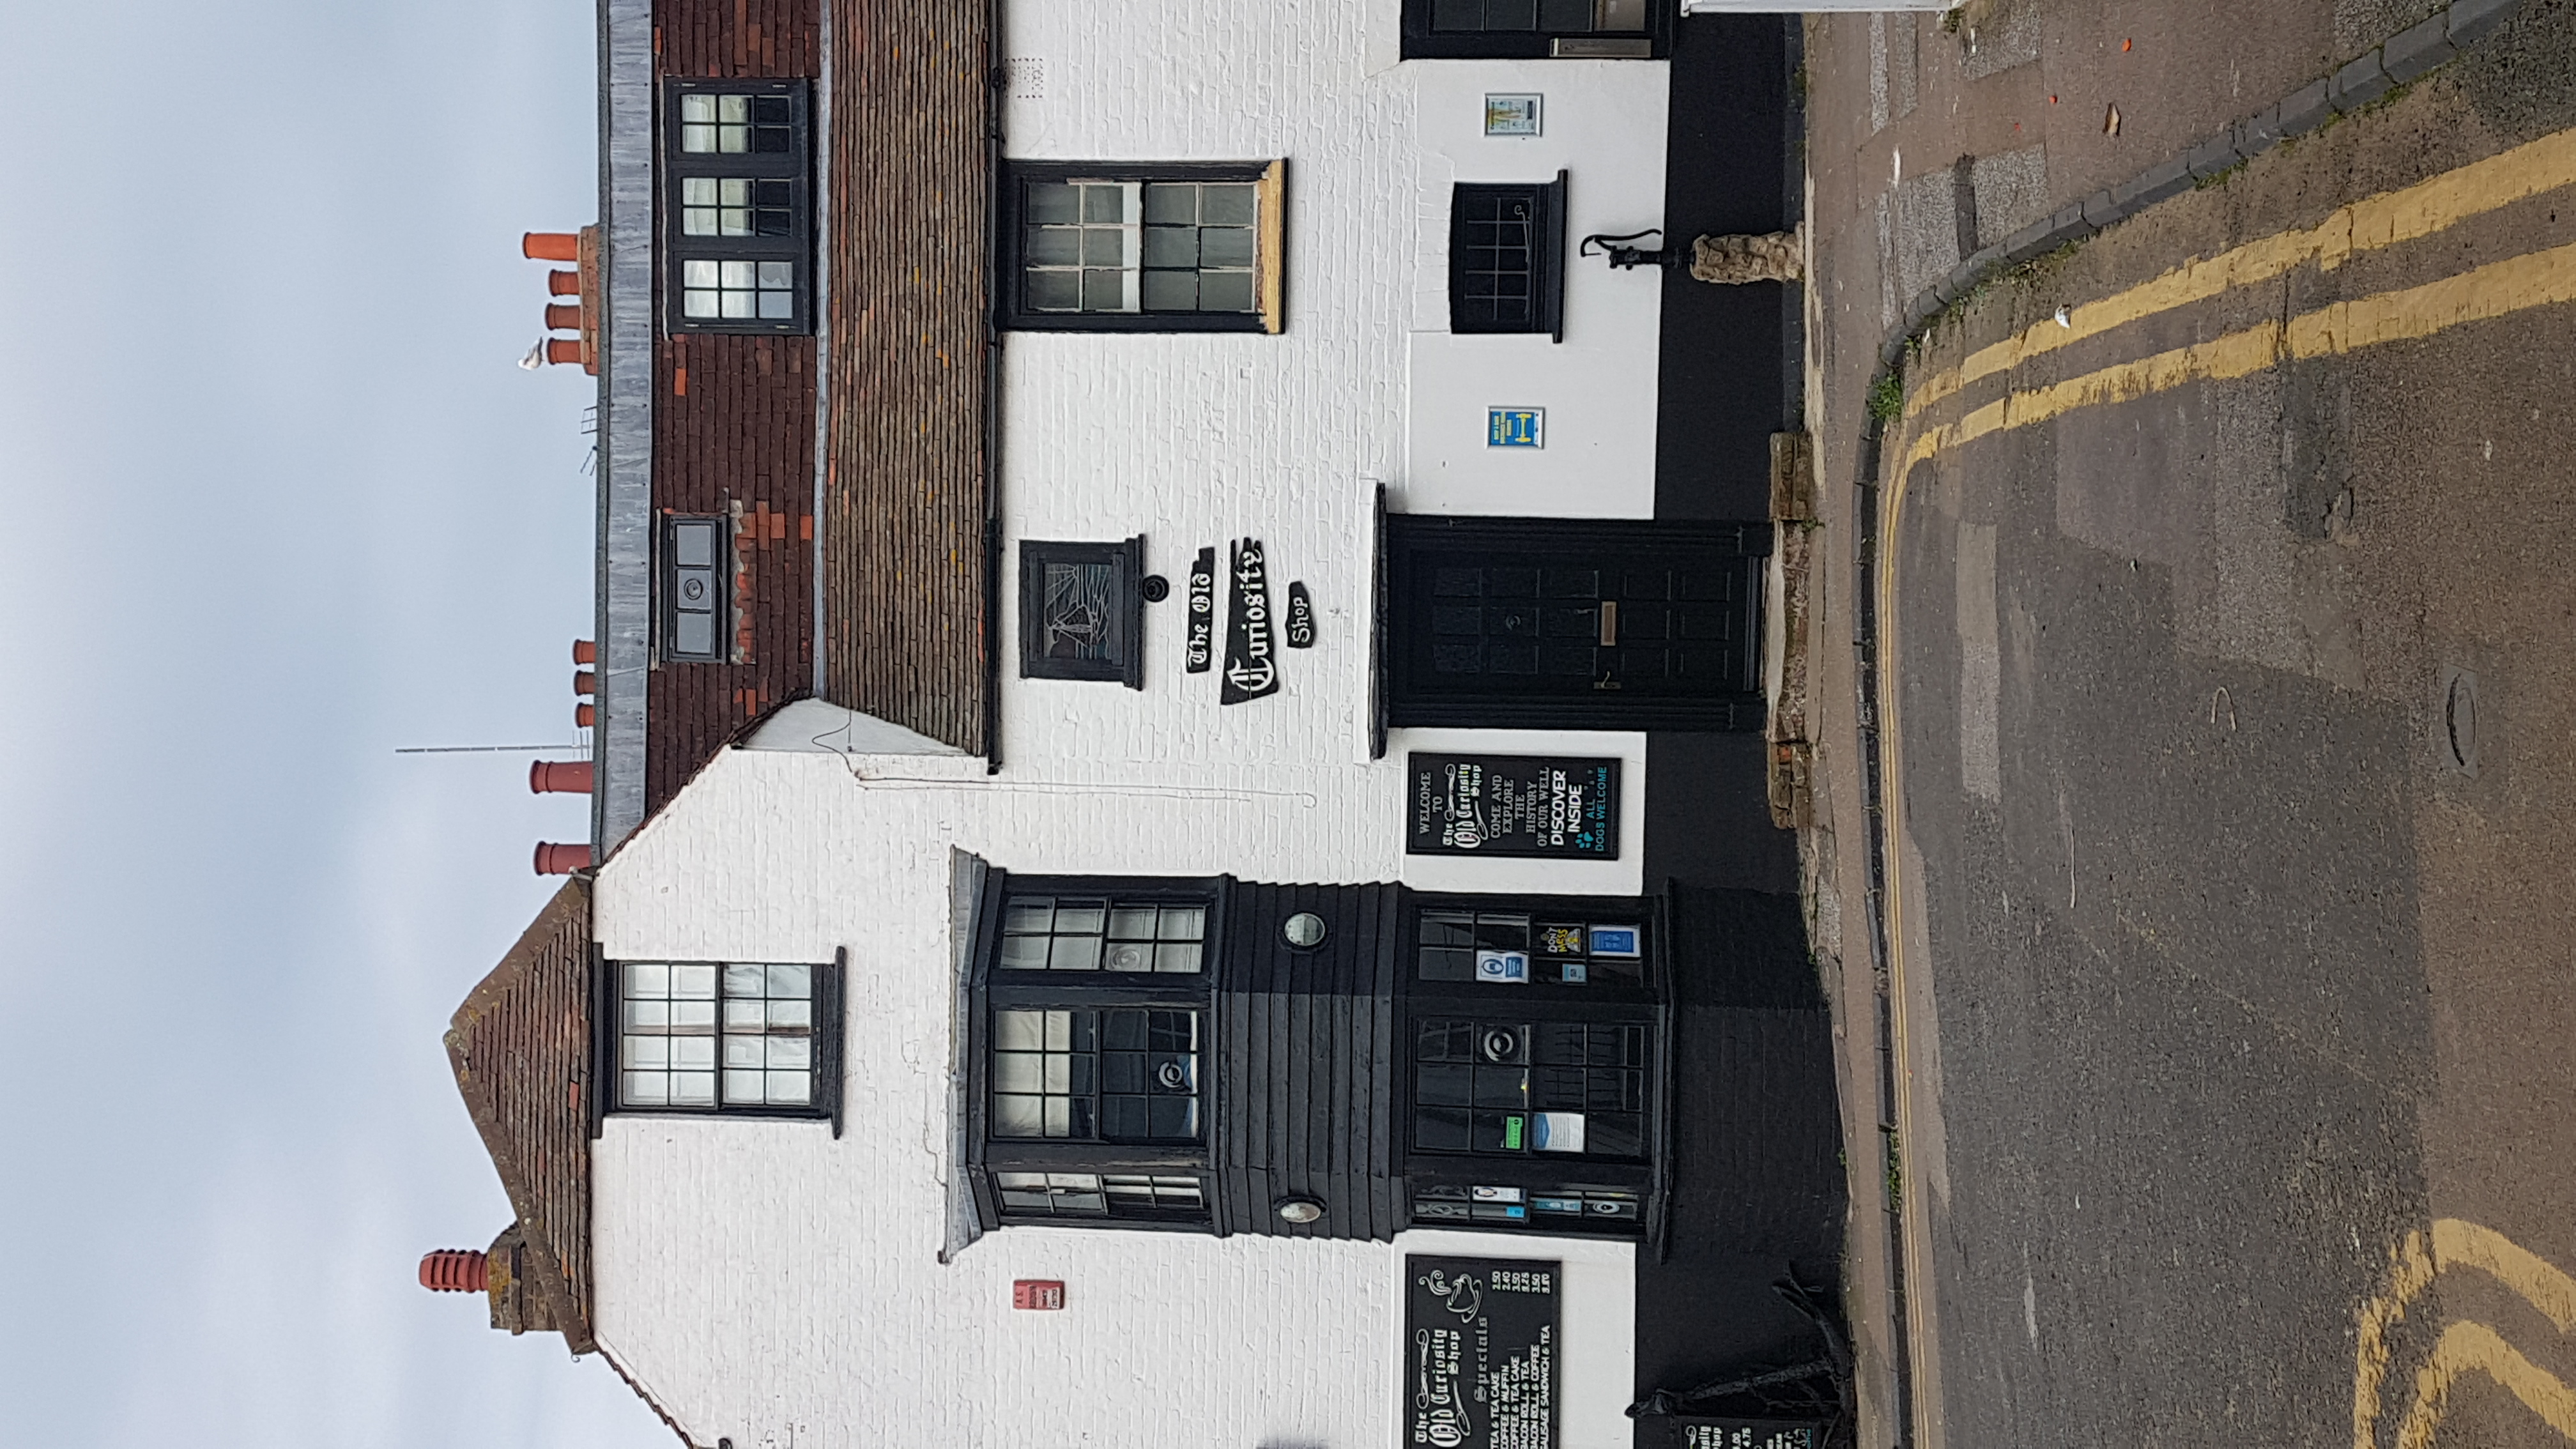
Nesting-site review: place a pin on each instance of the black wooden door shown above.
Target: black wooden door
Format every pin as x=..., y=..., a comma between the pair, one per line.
x=1574, y=623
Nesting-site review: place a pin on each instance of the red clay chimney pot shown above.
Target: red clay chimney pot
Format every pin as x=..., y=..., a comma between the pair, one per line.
x=563, y=284
x=455, y=1270
x=564, y=349
x=559, y=777
x=556, y=859
x=551, y=246
x=584, y=652
x=584, y=715
x=563, y=316
x=585, y=681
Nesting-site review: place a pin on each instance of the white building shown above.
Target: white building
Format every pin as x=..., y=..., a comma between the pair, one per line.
x=1123, y=909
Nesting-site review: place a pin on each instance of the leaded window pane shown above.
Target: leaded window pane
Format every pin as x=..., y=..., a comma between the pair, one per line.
x=1095, y=934
x=1083, y=1194
x=700, y=1035
x=1126, y=1074
x=1163, y=246
x=721, y=290
x=717, y=124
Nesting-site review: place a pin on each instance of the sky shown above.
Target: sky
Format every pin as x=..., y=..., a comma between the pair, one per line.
x=278, y=501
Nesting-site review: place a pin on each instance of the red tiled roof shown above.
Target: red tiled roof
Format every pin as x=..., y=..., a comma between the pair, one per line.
x=909, y=177
x=520, y=1046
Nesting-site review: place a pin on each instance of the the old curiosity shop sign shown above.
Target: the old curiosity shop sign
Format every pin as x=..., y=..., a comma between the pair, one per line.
x=1480, y=1353
x=1202, y=646
x=1301, y=616
x=1556, y=807
x=1251, y=654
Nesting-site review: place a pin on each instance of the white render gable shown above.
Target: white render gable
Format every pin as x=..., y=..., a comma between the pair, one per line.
x=767, y=1283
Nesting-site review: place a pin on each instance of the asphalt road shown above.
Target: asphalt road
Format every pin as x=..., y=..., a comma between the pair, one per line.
x=2230, y=683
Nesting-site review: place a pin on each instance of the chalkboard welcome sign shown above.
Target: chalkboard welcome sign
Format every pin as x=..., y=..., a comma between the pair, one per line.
x=1559, y=808
x=1480, y=1353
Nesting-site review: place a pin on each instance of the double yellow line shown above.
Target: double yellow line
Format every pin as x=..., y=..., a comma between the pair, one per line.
x=2535, y=279
x=2381, y=221
x=2466, y=1346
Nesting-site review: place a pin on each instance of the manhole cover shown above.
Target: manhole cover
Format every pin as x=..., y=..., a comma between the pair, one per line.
x=2455, y=730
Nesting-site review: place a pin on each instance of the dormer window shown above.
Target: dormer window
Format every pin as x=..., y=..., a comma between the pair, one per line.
x=736, y=206
x=697, y=590
x=737, y=223
x=733, y=123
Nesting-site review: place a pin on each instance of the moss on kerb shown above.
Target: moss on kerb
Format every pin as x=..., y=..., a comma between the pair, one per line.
x=2218, y=178
x=1887, y=397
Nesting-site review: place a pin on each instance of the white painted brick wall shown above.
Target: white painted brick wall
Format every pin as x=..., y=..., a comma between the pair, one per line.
x=769, y=1284
x=1193, y=439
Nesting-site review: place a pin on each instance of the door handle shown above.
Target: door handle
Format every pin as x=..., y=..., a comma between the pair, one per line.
x=1609, y=622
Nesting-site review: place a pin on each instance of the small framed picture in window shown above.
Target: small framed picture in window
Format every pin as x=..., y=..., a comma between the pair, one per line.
x=1516, y=115
x=1082, y=612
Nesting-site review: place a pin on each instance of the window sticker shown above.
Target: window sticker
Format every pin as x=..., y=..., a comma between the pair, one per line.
x=1502, y=966
x=1558, y=940
x=1515, y=427
x=1557, y=1132
x=1614, y=940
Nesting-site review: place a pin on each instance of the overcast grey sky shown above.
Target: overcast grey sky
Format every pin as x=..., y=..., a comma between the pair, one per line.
x=277, y=501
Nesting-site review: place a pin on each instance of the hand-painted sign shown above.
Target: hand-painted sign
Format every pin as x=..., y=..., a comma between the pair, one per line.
x=1563, y=808
x=1251, y=660
x=1202, y=645
x=1749, y=1434
x=1301, y=616
x=1481, y=1350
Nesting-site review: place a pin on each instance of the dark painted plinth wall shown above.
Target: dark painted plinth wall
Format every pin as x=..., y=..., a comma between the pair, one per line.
x=1758, y=1190
x=1724, y=389
x=1708, y=815
x=1725, y=354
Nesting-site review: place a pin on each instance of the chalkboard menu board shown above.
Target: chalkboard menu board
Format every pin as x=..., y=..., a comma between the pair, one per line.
x=1557, y=807
x=1480, y=1353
